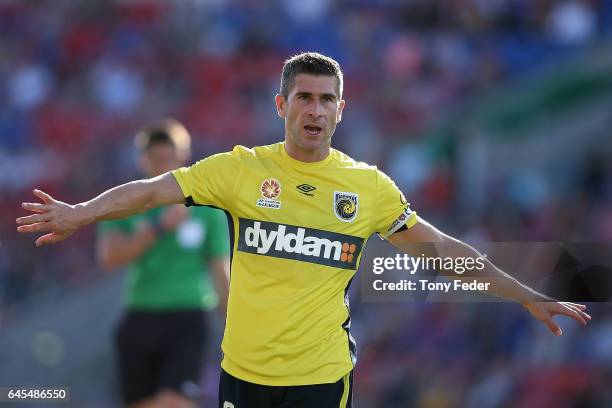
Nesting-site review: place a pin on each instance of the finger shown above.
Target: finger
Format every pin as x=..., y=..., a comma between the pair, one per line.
x=46, y=198
x=40, y=226
x=577, y=305
x=36, y=207
x=32, y=219
x=47, y=239
x=553, y=327
x=581, y=313
x=570, y=312
x=577, y=315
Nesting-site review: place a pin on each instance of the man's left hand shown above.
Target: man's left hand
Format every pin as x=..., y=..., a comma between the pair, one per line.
x=544, y=312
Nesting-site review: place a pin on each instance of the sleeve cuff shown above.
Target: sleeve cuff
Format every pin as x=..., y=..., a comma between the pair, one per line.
x=178, y=176
x=408, y=218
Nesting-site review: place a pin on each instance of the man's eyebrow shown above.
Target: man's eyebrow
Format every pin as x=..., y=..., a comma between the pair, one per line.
x=325, y=95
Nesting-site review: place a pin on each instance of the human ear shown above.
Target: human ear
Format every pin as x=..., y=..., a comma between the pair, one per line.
x=340, y=108
x=281, y=105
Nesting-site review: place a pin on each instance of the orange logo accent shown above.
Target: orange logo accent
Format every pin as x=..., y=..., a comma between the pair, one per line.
x=270, y=188
x=347, y=252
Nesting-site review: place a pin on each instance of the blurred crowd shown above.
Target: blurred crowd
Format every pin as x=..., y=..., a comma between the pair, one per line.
x=481, y=355
x=79, y=78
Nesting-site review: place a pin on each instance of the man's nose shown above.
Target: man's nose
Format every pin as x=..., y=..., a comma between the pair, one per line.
x=316, y=109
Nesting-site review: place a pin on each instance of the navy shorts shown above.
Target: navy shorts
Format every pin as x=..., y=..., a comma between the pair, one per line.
x=236, y=393
x=160, y=350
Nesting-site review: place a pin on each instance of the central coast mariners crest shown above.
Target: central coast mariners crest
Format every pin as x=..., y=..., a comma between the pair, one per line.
x=346, y=205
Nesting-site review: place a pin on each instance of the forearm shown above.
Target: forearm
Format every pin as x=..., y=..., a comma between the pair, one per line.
x=501, y=284
x=130, y=198
x=118, y=249
x=220, y=272
x=423, y=239
x=118, y=202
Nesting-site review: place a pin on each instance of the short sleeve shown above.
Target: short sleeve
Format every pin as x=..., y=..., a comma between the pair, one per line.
x=210, y=181
x=217, y=244
x=393, y=210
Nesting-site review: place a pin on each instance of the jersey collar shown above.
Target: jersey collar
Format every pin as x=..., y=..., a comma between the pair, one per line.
x=304, y=165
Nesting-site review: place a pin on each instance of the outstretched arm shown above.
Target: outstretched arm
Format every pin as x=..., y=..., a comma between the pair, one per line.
x=419, y=239
x=61, y=220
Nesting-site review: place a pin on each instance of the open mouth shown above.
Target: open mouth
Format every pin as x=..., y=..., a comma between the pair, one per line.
x=313, y=130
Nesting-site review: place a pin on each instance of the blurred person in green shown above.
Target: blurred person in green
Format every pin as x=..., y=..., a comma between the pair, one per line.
x=178, y=270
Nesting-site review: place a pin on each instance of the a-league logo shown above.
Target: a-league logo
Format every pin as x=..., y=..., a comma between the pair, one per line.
x=346, y=205
x=270, y=189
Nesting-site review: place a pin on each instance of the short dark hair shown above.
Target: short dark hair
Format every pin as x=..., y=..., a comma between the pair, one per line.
x=168, y=131
x=309, y=63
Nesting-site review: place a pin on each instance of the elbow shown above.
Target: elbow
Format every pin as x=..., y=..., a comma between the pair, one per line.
x=220, y=268
x=107, y=262
x=107, y=266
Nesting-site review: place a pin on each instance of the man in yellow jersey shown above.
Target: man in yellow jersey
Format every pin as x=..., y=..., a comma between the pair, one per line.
x=301, y=212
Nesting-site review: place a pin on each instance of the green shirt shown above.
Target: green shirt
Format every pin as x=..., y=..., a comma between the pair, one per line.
x=173, y=273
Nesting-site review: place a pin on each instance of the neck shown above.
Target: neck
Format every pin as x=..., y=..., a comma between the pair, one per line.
x=307, y=156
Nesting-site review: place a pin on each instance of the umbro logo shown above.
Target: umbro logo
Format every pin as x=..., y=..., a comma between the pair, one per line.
x=306, y=189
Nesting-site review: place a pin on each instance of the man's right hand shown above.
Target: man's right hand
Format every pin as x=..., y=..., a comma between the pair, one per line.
x=56, y=217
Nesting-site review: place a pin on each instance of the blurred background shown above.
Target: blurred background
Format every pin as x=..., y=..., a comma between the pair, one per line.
x=493, y=116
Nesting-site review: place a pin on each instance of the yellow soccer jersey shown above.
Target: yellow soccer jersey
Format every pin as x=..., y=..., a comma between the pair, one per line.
x=297, y=232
